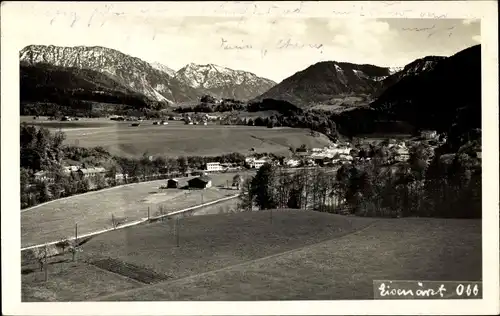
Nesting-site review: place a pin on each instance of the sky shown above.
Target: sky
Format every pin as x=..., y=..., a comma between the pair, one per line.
x=270, y=46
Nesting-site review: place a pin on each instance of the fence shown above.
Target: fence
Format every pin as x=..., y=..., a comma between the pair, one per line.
x=58, y=247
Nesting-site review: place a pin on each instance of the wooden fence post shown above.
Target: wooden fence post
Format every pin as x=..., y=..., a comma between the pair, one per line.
x=46, y=265
x=177, y=228
x=76, y=242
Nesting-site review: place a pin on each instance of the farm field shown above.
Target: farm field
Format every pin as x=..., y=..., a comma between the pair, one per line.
x=177, y=139
x=339, y=269
x=74, y=278
x=207, y=242
x=93, y=211
x=243, y=256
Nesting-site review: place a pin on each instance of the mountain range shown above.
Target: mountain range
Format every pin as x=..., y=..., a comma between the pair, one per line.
x=431, y=92
x=325, y=80
x=154, y=80
x=130, y=72
x=222, y=82
x=333, y=83
x=445, y=93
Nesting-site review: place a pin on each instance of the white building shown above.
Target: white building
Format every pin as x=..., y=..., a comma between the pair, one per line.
x=42, y=176
x=213, y=167
x=255, y=163
x=121, y=176
x=91, y=172
x=345, y=157
x=330, y=152
x=69, y=169
x=402, y=153
x=292, y=163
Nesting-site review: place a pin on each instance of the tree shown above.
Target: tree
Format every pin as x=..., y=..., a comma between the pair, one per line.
x=26, y=179
x=305, y=180
x=45, y=192
x=159, y=163
x=100, y=181
x=294, y=198
x=262, y=187
x=283, y=187
x=183, y=164
x=237, y=180
x=246, y=198
x=207, y=99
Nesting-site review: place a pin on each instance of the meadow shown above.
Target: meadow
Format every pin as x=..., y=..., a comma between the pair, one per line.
x=178, y=139
x=95, y=211
x=283, y=254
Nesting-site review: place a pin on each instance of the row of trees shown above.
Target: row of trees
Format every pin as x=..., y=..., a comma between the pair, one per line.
x=443, y=188
x=209, y=104
x=287, y=114
x=315, y=122
x=278, y=187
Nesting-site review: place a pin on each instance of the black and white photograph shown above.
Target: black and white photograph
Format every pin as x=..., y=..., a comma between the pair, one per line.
x=169, y=155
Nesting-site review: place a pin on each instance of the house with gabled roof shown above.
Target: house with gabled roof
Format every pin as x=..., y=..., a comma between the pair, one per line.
x=91, y=172
x=202, y=182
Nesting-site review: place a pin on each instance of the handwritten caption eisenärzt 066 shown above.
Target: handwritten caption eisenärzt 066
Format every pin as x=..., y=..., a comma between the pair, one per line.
x=391, y=289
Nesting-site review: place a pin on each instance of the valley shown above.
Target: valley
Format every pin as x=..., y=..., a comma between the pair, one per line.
x=177, y=139
x=141, y=182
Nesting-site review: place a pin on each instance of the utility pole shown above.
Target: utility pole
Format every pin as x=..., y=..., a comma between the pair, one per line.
x=148, y=213
x=177, y=230
x=76, y=242
x=46, y=265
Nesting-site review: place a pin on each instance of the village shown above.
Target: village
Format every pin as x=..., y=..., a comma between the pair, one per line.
x=331, y=157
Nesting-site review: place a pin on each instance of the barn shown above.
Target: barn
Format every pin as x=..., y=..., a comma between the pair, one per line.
x=202, y=182
x=172, y=184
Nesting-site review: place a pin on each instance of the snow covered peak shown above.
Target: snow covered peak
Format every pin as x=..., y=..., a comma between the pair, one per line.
x=222, y=81
x=132, y=72
x=163, y=68
x=393, y=70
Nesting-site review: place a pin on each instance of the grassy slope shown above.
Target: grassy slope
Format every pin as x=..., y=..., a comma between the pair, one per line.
x=302, y=255
x=56, y=220
x=178, y=139
x=70, y=281
x=215, y=241
x=344, y=268
x=207, y=243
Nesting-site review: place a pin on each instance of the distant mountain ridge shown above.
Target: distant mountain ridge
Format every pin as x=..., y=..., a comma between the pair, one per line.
x=444, y=92
x=158, y=66
x=431, y=92
x=326, y=80
x=129, y=71
x=46, y=89
x=223, y=82
x=416, y=67
x=156, y=81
